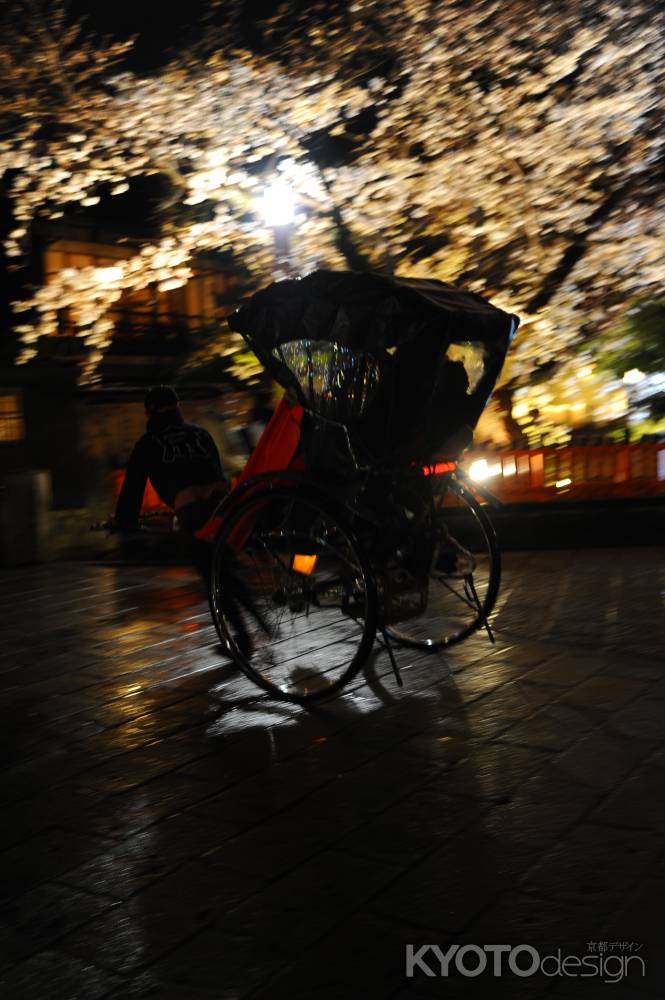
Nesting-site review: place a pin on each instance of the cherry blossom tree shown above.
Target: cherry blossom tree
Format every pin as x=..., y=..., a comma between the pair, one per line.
x=511, y=147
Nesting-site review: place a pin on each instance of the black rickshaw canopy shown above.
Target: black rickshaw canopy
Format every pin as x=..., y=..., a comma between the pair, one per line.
x=401, y=362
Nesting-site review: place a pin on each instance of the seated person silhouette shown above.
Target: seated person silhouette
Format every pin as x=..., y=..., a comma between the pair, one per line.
x=421, y=407
x=181, y=461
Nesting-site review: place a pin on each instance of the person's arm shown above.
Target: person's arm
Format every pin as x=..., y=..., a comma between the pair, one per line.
x=129, y=503
x=213, y=452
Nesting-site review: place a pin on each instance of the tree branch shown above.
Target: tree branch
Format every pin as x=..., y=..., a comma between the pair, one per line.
x=346, y=244
x=576, y=250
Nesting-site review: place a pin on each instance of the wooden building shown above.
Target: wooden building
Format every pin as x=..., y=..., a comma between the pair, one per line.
x=77, y=434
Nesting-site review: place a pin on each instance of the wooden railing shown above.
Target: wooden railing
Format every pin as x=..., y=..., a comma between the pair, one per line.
x=571, y=472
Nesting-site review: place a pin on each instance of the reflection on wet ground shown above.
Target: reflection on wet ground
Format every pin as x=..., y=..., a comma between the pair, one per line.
x=167, y=831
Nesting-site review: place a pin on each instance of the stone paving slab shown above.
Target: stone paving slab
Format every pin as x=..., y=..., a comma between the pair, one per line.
x=166, y=831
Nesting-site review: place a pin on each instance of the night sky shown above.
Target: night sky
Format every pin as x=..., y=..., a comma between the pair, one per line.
x=164, y=28
x=160, y=26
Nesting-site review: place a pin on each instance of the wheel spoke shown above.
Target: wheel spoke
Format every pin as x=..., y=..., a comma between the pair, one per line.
x=466, y=538
x=461, y=597
x=313, y=645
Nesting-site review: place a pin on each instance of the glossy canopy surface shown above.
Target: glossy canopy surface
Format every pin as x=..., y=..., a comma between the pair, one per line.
x=401, y=362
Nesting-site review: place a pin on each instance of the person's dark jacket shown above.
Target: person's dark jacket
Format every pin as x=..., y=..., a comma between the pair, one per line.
x=173, y=455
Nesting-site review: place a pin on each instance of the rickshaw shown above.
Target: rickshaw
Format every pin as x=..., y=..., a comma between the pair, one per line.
x=353, y=519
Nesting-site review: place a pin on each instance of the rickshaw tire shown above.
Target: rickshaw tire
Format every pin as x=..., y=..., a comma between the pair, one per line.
x=322, y=501
x=467, y=497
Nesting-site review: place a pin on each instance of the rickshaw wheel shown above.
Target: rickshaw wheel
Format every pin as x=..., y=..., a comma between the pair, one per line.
x=291, y=594
x=466, y=546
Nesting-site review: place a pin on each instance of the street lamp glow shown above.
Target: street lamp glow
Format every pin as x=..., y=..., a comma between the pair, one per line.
x=479, y=470
x=633, y=376
x=279, y=207
x=108, y=275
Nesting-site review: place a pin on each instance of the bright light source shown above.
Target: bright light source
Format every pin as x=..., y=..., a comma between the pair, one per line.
x=278, y=206
x=107, y=275
x=509, y=467
x=478, y=470
x=520, y=410
x=563, y=482
x=633, y=376
x=585, y=372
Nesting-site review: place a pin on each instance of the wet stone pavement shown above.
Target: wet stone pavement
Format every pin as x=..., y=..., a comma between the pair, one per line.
x=167, y=831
